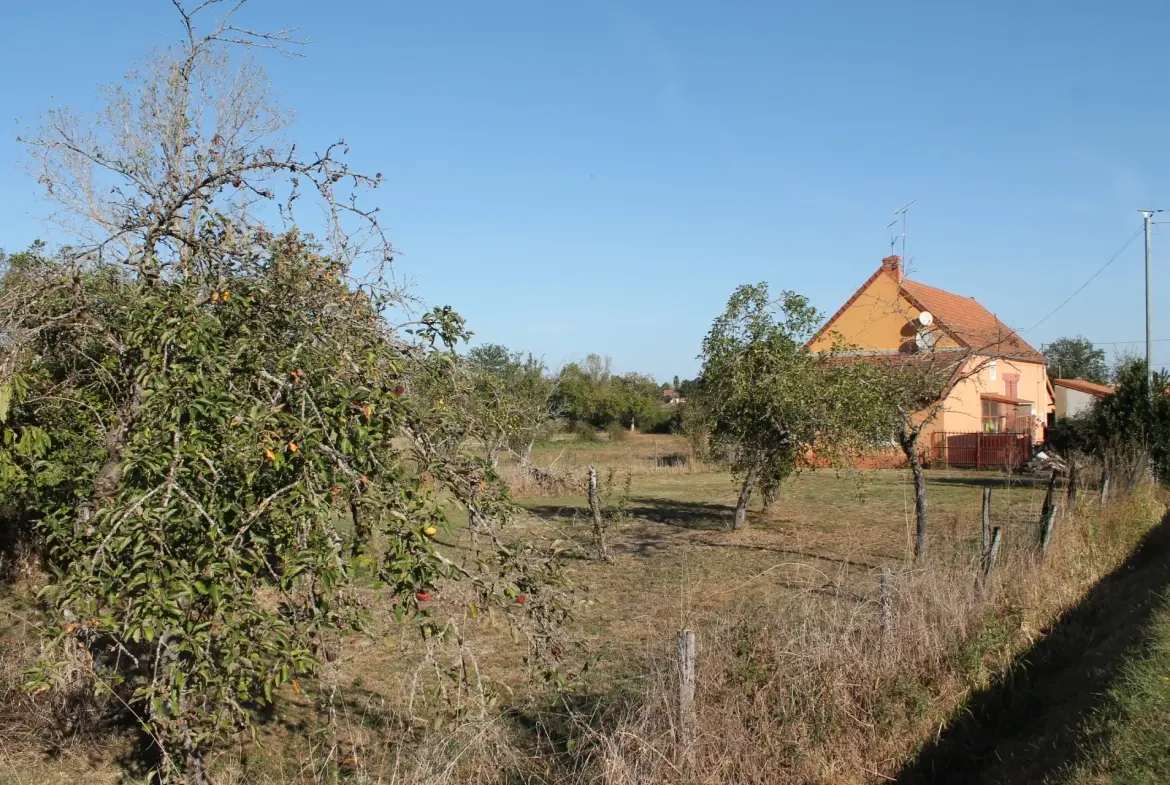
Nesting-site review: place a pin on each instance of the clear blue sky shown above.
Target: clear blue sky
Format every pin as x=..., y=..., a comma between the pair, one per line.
x=598, y=176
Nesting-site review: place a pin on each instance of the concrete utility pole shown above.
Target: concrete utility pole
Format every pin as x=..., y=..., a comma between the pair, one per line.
x=1147, y=216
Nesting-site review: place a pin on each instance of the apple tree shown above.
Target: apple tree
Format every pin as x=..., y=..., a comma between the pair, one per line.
x=766, y=403
x=510, y=399
x=205, y=416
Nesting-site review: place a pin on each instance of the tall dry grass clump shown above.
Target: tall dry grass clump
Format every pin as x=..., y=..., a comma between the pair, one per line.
x=825, y=687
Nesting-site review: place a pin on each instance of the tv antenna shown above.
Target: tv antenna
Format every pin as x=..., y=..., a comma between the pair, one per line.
x=902, y=213
x=893, y=235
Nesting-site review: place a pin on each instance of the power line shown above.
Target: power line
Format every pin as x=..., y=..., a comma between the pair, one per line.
x=1093, y=277
x=1119, y=343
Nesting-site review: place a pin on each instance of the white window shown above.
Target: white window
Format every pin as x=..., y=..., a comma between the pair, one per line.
x=991, y=371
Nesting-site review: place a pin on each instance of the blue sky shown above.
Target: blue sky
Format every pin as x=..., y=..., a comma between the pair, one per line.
x=578, y=177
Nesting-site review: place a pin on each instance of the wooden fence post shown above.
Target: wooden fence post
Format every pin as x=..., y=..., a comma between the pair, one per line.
x=887, y=604
x=685, y=656
x=1048, y=495
x=595, y=510
x=985, y=538
x=1071, y=496
x=990, y=555
x=1103, y=490
x=1046, y=522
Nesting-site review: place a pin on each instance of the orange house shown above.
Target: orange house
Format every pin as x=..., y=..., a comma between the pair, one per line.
x=1000, y=398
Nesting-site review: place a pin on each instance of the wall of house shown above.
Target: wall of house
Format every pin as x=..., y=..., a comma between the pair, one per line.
x=963, y=411
x=879, y=319
x=1072, y=402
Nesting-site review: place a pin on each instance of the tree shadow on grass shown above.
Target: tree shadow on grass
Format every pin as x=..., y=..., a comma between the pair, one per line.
x=1002, y=481
x=1030, y=726
x=697, y=516
x=844, y=562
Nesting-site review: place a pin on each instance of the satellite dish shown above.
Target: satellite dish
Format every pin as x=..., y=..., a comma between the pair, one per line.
x=925, y=319
x=925, y=340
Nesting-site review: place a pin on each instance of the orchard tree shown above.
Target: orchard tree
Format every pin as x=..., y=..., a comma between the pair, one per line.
x=581, y=395
x=492, y=397
x=915, y=388
x=510, y=399
x=1076, y=358
x=766, y=402
x=193, y=390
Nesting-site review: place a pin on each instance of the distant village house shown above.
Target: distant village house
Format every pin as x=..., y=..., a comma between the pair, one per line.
x=999, y=402
x=1075, y=396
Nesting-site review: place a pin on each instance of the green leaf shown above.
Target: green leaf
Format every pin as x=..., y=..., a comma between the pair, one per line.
x=5, y=400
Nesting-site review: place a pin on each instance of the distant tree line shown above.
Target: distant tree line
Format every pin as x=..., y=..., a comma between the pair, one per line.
x=507, y=399
x=590, y=396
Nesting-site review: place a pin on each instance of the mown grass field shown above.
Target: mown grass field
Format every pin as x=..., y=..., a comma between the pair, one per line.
x=677, y=562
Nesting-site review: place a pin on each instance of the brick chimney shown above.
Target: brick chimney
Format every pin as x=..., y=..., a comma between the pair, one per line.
x=893, y=266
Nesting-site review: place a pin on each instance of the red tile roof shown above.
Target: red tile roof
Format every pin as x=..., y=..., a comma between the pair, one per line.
x=970, y=323
x=1092, y=388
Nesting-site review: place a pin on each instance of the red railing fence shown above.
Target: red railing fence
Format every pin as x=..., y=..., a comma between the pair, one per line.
x=979, y=450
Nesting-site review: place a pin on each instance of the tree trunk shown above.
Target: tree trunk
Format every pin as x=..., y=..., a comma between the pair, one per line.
x=909, y=446
x=770, y=494
x=494, y=452
x=109, y=475
x=745, y=495
x=361, y=528
x=919, y=511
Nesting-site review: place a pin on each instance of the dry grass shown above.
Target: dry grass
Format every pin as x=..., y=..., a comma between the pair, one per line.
x=560, y=466
x=812, y=689
x=798, y=682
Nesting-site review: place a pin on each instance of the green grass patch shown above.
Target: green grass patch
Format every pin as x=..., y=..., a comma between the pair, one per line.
x=1134, y=725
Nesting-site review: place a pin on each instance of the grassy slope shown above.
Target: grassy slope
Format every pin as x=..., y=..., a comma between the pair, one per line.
x=1134, y=724
x=1089, y=702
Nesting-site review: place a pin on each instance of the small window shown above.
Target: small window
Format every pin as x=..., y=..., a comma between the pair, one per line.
x=992, y=417
x=991, y=371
